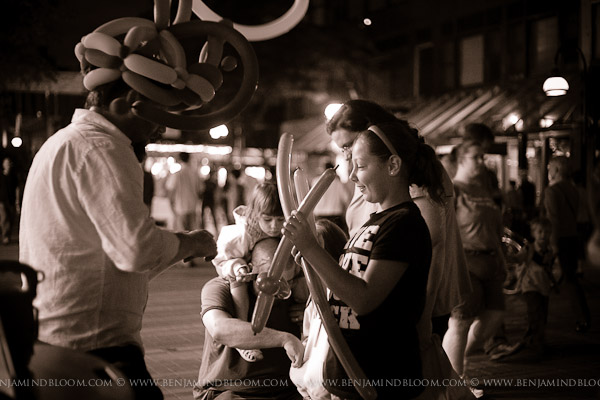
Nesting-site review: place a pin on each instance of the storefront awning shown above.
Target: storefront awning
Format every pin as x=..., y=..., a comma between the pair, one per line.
x=508, y=109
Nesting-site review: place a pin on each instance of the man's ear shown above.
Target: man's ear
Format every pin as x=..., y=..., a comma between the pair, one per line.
x=122, y=105
x=119, y=106
x=394, y=165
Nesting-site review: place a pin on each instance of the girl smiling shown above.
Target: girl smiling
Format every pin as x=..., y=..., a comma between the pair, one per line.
x=381, y=279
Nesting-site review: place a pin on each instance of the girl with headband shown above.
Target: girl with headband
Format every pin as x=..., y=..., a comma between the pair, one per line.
x=382, y=275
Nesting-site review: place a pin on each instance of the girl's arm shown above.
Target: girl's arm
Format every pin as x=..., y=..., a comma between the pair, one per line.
x=364, y=294
x=232, y=251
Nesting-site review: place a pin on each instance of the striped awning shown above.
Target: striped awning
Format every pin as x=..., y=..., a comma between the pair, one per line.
x=508, y=110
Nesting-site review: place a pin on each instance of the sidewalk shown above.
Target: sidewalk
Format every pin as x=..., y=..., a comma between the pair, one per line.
x=173, y=336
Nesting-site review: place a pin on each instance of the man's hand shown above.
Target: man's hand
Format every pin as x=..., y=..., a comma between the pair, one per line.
x=205, y=244
x=198, y=243
x=295, y=350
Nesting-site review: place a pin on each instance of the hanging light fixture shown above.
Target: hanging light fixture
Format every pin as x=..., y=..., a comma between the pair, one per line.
x=556, y=85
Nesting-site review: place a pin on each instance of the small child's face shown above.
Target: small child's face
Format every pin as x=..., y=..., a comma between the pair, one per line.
x=541, y=235
x=271, y=225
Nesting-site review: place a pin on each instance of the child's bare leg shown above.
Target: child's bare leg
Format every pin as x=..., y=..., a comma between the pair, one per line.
x=241, y=303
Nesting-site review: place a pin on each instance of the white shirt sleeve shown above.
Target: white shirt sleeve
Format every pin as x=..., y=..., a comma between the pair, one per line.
x=110, y=189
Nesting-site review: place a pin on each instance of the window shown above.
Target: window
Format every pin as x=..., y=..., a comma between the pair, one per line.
x=544, y=41
x=471, y=60
x=516, y=50
x=493, y=56
x=447, y=64
x=423, y=70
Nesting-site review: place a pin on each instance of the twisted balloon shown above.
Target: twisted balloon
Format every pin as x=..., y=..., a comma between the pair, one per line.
x=150, y=58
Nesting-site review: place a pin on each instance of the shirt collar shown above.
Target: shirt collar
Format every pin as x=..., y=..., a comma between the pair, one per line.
x=84, y=116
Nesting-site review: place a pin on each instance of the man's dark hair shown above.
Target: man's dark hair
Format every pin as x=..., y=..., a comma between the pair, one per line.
x=104, y=94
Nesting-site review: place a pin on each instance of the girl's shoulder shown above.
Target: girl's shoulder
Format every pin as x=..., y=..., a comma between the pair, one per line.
x=399, y=217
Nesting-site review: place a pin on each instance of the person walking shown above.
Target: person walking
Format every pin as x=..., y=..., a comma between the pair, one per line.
x=560, y=205
x=184, y=188
x=208, y=197
x=234, y=194
x=9, y=199
x=479, y=218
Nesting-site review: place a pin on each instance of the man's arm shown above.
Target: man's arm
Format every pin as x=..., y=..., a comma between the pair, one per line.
x=198, y=243
x=233, y=332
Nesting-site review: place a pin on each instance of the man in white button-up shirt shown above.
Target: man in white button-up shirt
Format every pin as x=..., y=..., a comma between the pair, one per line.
x=85, y=226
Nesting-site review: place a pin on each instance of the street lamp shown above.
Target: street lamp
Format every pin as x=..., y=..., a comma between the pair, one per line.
x=556, y=85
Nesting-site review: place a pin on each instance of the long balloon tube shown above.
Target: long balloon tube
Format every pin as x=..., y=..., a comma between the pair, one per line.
x=282, y=254
x=284, y=186
x=337, y=341
x=302, y=188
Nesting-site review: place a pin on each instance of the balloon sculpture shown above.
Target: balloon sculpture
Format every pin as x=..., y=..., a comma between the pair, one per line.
x=149, y=57
x=266, y=296
x=255, y=33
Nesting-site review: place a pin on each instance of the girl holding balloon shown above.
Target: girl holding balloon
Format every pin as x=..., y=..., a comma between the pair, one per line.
x=262, y=218
x=381, y=279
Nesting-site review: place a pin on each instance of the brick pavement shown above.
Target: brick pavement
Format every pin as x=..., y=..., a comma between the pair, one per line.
x=173, y=336
x=172, y=331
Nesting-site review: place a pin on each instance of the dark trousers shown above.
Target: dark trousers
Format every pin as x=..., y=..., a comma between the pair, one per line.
x=568, y=248
x=537, y=317
x=130, y=361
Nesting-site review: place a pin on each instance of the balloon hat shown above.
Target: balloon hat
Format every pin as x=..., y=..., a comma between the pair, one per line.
x=149, y=57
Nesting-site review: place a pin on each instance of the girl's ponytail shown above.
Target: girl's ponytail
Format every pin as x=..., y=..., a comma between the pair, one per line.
x=427, y=171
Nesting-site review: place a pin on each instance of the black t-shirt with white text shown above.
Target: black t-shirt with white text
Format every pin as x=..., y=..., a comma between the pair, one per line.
x=385, y=341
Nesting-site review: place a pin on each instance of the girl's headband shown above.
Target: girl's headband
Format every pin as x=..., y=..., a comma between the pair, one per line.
x=381, y=135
